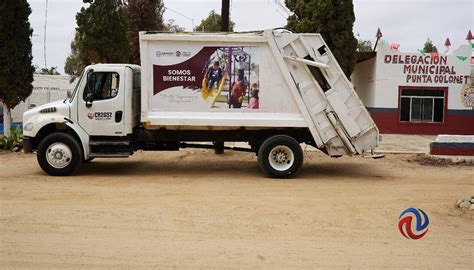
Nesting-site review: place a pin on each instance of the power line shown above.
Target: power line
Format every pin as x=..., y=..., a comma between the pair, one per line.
x=181, y=14
x=44, y=42
x=276, y=9
x=283, y=7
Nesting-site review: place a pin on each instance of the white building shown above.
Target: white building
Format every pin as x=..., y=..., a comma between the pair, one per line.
x=46, y=88
x=417, y=93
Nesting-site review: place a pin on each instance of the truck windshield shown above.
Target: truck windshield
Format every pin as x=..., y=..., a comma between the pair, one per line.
x=77, y=87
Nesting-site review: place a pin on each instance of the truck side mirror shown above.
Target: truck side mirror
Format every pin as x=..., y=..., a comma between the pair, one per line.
x=68, y=94
x=89, y=99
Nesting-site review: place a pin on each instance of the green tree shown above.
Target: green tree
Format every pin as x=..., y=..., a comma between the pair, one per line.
x=16, y=70
x=73, y=65
x=364, y=45
x=212, y=23
x=429, y=46
x=48, y=71
x=101, y=33
x=334, y=19
x=142, y=15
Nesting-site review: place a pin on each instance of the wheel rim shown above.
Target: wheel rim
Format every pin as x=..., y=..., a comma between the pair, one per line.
x=58, y=155
x=281, y=158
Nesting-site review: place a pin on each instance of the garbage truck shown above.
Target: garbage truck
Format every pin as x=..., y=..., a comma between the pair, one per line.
x=273, y=90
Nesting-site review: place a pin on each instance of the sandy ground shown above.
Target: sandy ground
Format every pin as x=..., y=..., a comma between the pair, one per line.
x=193, y=209
x=400, y=143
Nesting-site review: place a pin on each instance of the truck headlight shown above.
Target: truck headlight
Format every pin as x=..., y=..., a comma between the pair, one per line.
x=28, y=127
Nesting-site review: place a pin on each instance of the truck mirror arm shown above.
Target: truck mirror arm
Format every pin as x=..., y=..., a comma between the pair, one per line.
x=89, y=98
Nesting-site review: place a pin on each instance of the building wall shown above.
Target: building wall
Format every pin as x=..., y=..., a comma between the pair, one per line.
x=457, y=122
x=46, y=88
x=363, y=79
x=393, y=74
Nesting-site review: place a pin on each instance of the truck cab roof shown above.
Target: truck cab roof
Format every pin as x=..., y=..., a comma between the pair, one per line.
x=115, y=65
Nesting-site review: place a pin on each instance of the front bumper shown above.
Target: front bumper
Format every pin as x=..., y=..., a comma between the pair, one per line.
x=27, y=145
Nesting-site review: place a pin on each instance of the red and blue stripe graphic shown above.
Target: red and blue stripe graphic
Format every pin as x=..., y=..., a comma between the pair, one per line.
x=405, y=223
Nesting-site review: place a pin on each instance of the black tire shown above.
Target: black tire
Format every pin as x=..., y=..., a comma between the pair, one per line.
x=63, y=138
x=288, y=148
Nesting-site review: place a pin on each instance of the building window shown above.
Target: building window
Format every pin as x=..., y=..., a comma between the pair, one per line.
x=422, y=105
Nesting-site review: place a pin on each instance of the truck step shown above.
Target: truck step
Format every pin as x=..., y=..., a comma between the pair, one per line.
x=109, y=143
x=110, y=155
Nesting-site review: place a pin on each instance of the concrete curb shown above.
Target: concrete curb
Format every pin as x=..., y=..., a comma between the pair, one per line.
x=457, y=159
x=400, y=152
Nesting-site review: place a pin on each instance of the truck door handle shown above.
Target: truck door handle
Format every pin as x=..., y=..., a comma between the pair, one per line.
x=118, y=116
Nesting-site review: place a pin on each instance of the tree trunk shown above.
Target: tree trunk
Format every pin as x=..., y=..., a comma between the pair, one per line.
x=6, y=120
x=225, y=10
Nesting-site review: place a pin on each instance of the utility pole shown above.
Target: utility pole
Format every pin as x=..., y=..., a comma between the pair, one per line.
x=225, y=14
x=44, y=41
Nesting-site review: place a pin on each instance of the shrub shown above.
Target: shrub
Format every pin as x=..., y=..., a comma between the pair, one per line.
x=12, y=140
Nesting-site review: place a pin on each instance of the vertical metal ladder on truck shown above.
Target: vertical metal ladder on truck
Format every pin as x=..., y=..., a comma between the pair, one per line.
x=342, y=124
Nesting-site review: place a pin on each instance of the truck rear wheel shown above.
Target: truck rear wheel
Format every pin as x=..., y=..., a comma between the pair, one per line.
x=280, y=156
x=59, y=154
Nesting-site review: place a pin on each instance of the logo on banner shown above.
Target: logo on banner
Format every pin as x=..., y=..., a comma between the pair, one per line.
x=160, y=54
x=412, y=225
x=182, y=54
x=173, y=54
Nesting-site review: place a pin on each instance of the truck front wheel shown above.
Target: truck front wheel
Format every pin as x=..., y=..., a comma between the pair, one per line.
x=59, y=154
x=280, y=156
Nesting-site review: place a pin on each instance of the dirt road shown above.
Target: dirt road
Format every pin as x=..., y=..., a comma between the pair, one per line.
x=193, y=209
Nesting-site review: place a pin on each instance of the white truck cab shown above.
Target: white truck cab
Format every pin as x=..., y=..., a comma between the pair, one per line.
x=101, y=105
x=271, y=89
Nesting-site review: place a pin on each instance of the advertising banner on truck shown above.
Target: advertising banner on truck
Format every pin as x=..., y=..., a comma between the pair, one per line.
x=206, y=78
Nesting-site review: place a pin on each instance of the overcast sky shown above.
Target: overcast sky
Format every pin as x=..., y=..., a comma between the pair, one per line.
x=407, y=22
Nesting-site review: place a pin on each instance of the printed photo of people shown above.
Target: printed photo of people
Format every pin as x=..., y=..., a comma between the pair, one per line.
x=231, y=78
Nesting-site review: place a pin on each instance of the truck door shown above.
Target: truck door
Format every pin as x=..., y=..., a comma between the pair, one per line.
x=101, y=105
